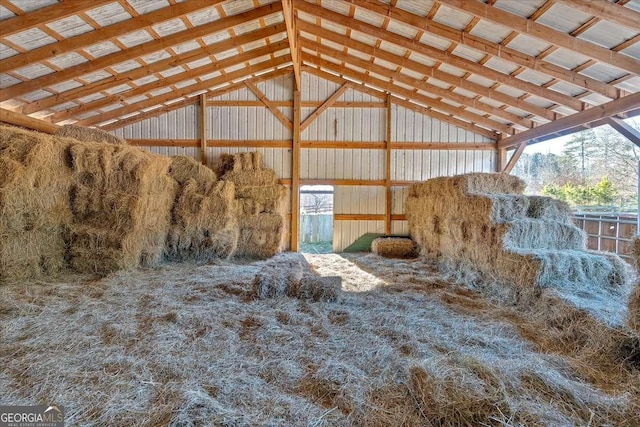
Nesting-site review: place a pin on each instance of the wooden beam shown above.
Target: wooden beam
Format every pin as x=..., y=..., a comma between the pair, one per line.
x=203, y=128
x=465, y=101
x=387, y=169
x=325, y=105
x=349, y=145
x=441, y=145
x=624, y=129
x=292, y=34
x=612, y=108
x=155, y=67
x=47, y=14
x=427, y=71
x=544, y=33
x=612, y=12
x=494, y=49
x=295, y=172
x=164, y=142
x=399, y=91
x=136, y=51
x=515, y=157
x=274, y=110
x=146, y=89
x=186, y=91
x=439, y=55
x=17, y=119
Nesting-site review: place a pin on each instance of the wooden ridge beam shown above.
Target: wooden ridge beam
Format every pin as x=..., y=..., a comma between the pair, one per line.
x=325, y=105
x=185, y=91
x=155, y=67
x=426, y=70
x=22, y=120
x=292, y=34
x=192, y=100
x=494, y=49
x=435, y=90
x=621, y=105
x=145, y=89
x=274, y=110
x=611, y=12
x=102, y=34
x=439, y=55
x=138, y=50
x=389, y=86
x=47, y=14
x=544, y=33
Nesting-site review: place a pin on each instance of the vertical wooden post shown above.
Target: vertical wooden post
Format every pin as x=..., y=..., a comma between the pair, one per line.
x=387, y=171
x=502, y=159
x=295, y=172
x=203, y=128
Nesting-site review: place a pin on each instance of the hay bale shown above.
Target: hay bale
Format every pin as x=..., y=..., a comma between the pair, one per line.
x=634, y=309
x=239, y=162
x=121, y=201
x=278, y=278
x=252, y=178
x=394, y=247
x=636, y=251
x=320, y=288
x=89, y=135
x=483, y=222
x=34, y=208
x=261, y=236
x=184, y=168
x=204, y=224
x=271, y=199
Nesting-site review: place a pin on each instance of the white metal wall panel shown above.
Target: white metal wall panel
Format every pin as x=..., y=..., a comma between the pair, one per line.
x=181, y=123
x=352, y=199
x=411, y=126
x=316, y=89
x=278, y=89
x=346, y=124
x=175, y=151
x=420, y=165
x=278, y=159
x=347, y=232
x=398, y=197
x=242, y=123
x=329, y=163
x=400, y=228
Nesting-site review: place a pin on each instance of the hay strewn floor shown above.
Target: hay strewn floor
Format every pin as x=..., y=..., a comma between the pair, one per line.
x=186, y=345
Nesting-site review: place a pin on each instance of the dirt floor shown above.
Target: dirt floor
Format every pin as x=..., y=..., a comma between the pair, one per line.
x=405, y=344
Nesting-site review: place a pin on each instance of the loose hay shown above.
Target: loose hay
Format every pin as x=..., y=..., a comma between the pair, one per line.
x=634, y=309
x=320, y=288
x=89, y=135
x=279, y=277
x=394, y=247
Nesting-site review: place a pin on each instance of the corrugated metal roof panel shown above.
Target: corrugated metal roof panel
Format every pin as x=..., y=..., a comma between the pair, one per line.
x=6, y=13
x=411, y=73
x=146, y=6
x=203, y=16
x=440, y=84
x=567, y=88
x=108, y=14
x=633, y=4
x=452, y=18
x=435, y=41
x=396, y=50
x=145, y=80
x=608, y=34
x=368, y=17
x=490, y=31
x=33, y=71
x=459, y=91
x=65, y=106
x=483, y=81
x=362, y=38
x=199, y=63
x=511, y=91
x=111, y=107
x=155, y=56
x=71, y=26
x=68, y=85
x=6, y=51
x=171, y=71
x=534, y=77
x=160, y=91
x=216, y=37
x=633, y=50
x=603, y=72
x=169, y=27
x=101, y=49
x=563, y=18
x=237, y=6
x=520, y=8
x=337, y=6
x=630, y=85
x=210, y=75
x=402, y=29
x=68, y=60
x=29, y=6
x=564, y=110
x=226, y=54
x=422, y=59
x=529, y=45
x=469, y=53
x=186, y=47
x=501, y=65
x=452, y=70
x=90, y=98
x=489, y=101
x=340, y=30
x=185, y=83
x=357, y=54
x=566, y=58
x=31, y=39
x=386, y=64
x=247, y=27
x=421, y=8
x=94, y=77
x=118, y=89
x=595, y=99
x=38, y=94
x=123, y=67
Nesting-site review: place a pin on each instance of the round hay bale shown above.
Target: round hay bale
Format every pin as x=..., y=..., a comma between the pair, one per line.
x=394, y=247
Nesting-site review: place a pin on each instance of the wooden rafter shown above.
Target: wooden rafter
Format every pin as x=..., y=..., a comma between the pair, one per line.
x=139, y=50
x=612, y=12
x=499, y=50
x=292, y=33
x=274, y=110
x=47, y=14
x=426, y=70
x=445, y=57
x=186, y=91
x=544, y=33
x=102, y=34
x=325, y=105
x=593, y=114
x=418, y=84
x=145, y=89
x=155, y=67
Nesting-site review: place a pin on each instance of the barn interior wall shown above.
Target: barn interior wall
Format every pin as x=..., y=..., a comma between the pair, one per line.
x=239, y=122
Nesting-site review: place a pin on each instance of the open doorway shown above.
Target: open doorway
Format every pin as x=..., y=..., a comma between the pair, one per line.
x=316, y=219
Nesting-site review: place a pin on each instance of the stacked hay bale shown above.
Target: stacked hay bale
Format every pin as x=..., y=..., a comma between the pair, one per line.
x=483, y=221
x=262, y=204
x=121, y=199
x=204, y=217
x=89, y=135
x=634, y=298
x=34, y=208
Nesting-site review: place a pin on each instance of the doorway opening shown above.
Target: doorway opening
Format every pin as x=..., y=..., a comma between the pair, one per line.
x=316, y=219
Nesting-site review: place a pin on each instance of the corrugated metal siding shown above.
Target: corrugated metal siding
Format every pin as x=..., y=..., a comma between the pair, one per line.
x=346, y=124
x=328, y=163
x=175, y=151
x=400, y=228
x=347, y=232
x=420, y=165
x=238, y=123
x=352, y=199
x=177, y=124
x=278, y=159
